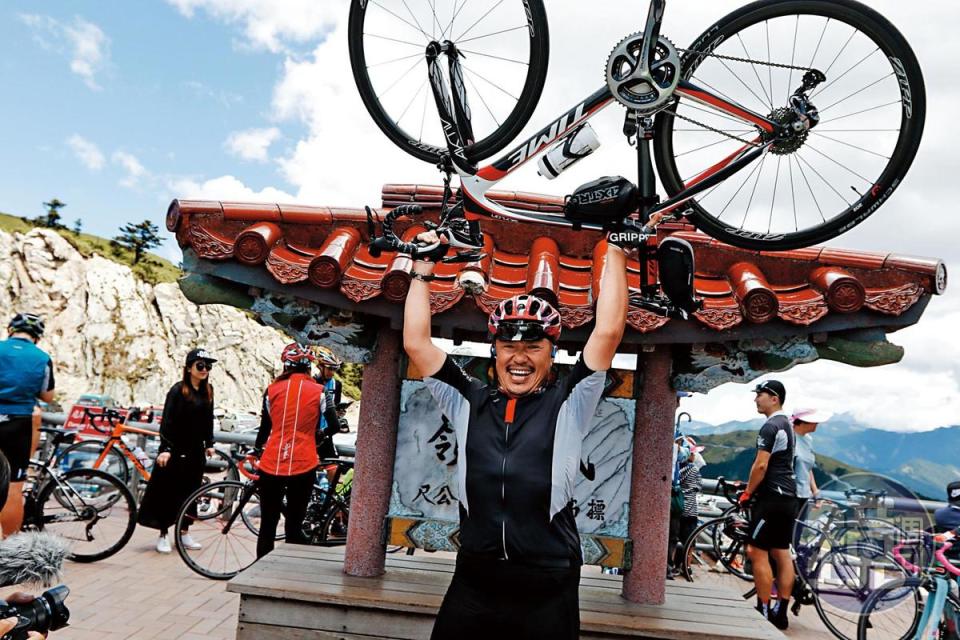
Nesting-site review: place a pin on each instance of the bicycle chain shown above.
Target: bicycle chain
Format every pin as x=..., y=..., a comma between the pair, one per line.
x=747, y=60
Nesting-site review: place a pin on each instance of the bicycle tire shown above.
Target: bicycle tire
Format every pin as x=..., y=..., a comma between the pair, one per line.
x=119, y=498
x=875, y=531
x=535, y=15
x=115, y=461
x=226, y=496
x=840, y=593
x=732, y=554
x=334, y=528
x=689, y=553
x=868, y=621
x=873, y=189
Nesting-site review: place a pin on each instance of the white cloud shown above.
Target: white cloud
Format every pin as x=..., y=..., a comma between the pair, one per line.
x=343, y=159
x=252, y=144
x=87, y=152
x=267, y=25
x=131, y=166
x=225, y=188
x=83, y=42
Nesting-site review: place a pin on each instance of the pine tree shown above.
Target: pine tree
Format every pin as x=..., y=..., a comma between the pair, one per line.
x=139, y=238
x=77, y=226
x=52, y=218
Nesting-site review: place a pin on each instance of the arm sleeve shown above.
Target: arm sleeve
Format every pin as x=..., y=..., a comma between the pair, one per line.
x=451, y=388
x=265, y=424
x=48, y=382
x=584, y=388
x=329, y=412
x=767, y=437
x=338, y=393
x=209, y=420
x=170, y=410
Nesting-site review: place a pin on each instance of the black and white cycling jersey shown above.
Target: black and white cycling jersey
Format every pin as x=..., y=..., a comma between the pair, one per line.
x=519, y=461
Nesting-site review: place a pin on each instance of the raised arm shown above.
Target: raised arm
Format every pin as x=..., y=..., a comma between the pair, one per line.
x=426, y=356
x=611, y=313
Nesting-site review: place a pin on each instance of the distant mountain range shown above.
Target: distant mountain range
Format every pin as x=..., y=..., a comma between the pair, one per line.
x=923, y=461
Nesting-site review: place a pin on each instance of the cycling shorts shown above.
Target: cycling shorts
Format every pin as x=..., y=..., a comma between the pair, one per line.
x=772, y=521
x=16, y=436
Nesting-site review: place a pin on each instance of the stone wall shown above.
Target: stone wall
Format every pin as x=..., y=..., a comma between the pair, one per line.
x=110, y=332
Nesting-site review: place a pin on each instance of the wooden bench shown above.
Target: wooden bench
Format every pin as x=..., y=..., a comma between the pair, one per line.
x=300, y=592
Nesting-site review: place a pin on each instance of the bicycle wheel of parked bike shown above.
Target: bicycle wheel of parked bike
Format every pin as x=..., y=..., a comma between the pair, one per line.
x=844, y=579
x=809, y=187
x=505, y=47
x=698, y=555
x=214, y=517
x=84, y=454
x=334, y=528
x=892, y=612
x=93, y=510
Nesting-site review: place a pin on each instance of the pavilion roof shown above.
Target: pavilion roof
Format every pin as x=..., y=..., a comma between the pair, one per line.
x=325, y=247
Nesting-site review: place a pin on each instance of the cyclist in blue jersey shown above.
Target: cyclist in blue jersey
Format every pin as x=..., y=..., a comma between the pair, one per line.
x=26, y=375
x=519, y=438
x=328, y=364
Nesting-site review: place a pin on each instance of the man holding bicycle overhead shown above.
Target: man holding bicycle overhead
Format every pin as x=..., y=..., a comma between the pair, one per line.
x=519, y=438
x=26, y=375
x=772, y=487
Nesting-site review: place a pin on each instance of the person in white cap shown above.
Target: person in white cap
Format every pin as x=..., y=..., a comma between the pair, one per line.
x=805, y=422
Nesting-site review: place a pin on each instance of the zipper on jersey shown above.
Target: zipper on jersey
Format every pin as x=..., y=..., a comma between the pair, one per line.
x=508, y=420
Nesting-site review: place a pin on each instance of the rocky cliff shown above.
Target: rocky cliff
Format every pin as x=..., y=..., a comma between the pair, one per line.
x=110, y=332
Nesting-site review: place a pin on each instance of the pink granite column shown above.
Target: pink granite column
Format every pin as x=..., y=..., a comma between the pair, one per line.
x=650, y=477
x=376, y=448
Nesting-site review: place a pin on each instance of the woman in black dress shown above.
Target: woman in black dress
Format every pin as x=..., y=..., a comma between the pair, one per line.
x=186, y=438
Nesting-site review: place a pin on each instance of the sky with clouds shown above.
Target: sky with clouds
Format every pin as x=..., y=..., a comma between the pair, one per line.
x=117, y=109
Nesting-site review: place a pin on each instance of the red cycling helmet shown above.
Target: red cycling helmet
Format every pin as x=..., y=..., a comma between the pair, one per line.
x=295, y=355
x=525, y=318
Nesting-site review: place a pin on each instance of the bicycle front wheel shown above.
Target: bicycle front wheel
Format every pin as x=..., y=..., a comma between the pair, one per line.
x=892, y=612
x=86, y=453
x=93, y=510
x=809, y=187
x=843, y=581
x=505, y=48
x=213, y=516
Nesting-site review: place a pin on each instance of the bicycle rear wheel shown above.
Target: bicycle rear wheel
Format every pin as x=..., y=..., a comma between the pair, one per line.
x=213, y=516
x=817, y=186
x=334, y=529
x=892, y=612
x=732, y=553
x=505, y=47
x=93, y=510
x=697, y=554
x=844, y=579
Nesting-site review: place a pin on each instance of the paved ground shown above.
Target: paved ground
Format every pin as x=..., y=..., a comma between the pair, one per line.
x=139, y=593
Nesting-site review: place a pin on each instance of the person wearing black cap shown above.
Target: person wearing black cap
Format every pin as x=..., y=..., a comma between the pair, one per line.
x=948, y=518
x=772, y=491
x=186, y=437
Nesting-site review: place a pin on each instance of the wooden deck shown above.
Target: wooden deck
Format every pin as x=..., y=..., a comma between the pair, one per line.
x=300, y=592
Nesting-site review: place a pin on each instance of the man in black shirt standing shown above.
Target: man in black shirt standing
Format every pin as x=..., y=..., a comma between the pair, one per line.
x=773, y=488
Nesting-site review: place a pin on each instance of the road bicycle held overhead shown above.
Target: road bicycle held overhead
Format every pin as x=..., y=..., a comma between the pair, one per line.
x=784, y=124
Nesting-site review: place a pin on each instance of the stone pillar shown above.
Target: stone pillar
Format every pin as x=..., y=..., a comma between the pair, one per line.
x=650, y=477
x=376, y=449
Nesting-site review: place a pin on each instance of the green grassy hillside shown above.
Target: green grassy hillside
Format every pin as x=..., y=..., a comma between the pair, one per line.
x=731, y=454
x=151, y=268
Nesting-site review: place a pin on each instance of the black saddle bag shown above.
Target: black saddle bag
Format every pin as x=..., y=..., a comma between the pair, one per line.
x=605, y=201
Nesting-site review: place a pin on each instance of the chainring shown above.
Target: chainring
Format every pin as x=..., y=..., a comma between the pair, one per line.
x=645, y=93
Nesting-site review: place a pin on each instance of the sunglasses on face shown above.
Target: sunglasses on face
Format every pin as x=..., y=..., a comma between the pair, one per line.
x=204, y=366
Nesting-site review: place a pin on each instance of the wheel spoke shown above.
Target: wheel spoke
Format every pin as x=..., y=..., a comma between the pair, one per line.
x=401, y=19
x=746, y=211
x=706, y=146
x=409, y=104
x=793, y=56
x=810, y=189
x=825, y=181
x=484, y=102
x=490, y=82
x=755, y=72
x=488, y=55
x=495, y=33
x=839, y=53
x=415, y=64
x=480, y=19
x=793, y=194
x=839, y=164
x=859, y=62
x=419, y=26
x=856, y=113
x=875, y=82
x=456, y=12
x=819, y=42
x=773, y=198
x=879, y=155
x=380, y=64
x=379, y=37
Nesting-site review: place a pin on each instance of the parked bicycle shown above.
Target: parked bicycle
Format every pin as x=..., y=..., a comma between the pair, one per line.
x=227, y=516
x=92, y=509
x=116, y=456
x=922, y=606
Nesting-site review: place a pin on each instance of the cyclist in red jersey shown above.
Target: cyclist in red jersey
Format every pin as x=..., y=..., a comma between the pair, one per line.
x=293, y=406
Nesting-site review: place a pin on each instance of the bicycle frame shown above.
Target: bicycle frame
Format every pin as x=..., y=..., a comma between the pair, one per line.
x=115, y=440
x=475, y=182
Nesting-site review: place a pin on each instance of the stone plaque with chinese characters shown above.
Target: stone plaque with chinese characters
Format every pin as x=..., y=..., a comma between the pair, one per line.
x=424, y=479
